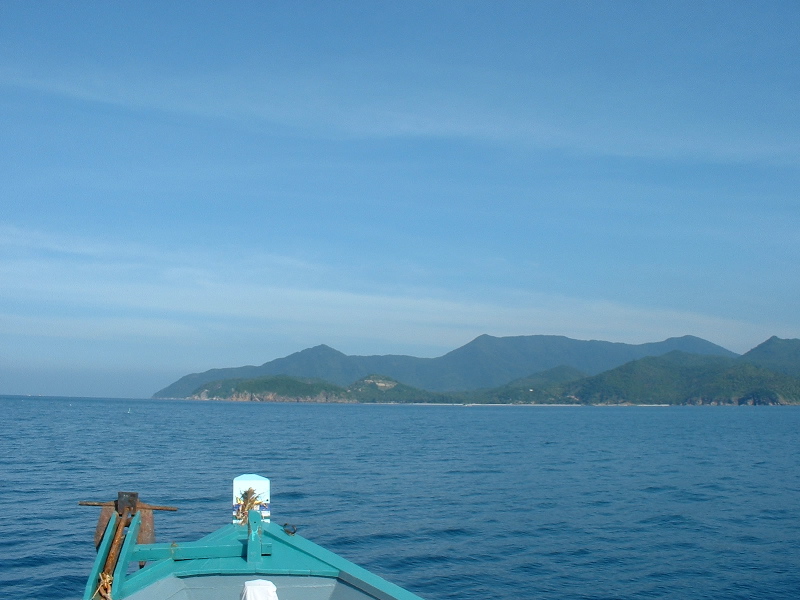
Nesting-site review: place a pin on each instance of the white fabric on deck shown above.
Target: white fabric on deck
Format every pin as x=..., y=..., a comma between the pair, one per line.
x=259, y=589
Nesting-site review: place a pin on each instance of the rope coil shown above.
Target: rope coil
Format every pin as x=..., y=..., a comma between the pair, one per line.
x=104, y=586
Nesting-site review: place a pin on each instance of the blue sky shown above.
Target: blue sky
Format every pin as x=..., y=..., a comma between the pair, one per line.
x=190, y=185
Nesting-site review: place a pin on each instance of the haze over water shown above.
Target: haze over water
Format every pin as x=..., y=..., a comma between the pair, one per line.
x=448, y=501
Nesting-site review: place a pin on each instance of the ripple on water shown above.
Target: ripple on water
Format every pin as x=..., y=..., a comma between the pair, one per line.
x=493, y=502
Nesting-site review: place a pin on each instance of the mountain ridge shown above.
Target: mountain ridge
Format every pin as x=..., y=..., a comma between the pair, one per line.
x=676, y=378
x=485, y=362
x=776, y=354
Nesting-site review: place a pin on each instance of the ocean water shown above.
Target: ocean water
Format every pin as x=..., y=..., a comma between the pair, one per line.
x=451, y=502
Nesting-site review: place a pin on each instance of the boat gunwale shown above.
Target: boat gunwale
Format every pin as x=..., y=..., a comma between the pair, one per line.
x=258, y=547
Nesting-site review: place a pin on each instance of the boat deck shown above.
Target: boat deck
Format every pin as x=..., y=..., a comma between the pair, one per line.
x=217, y=566
x=229, y=587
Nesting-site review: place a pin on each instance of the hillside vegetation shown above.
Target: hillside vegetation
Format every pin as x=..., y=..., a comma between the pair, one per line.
x=485, y=362
x=776, y=354
x=765, y=375
x=674, y=378
x=680, y=378
x=284, y=388
x=274, y=388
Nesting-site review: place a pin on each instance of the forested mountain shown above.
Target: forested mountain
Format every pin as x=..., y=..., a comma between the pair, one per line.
x=284, y=388
x=776, y=354
x=673, y=378
x=680, y=378
x=485, y=362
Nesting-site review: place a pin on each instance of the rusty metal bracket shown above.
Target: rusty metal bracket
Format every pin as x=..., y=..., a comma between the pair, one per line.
x=126, y=506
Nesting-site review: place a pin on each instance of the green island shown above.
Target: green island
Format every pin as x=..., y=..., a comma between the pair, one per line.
x=767, y=375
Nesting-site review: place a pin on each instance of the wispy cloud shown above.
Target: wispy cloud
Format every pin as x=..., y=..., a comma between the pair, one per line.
x=71, y=288
x=351, y=103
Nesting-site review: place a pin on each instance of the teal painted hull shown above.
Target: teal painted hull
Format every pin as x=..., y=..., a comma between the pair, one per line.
x=217, y=566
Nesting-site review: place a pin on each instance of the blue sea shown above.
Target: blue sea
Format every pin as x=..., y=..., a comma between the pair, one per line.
x=451, y=502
